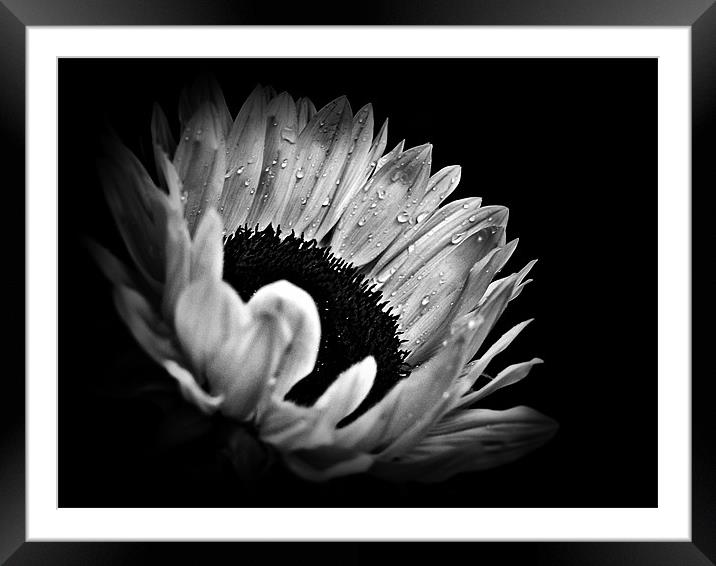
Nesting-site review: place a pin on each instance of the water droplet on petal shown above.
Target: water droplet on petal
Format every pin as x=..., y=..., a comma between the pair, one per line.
x=304, y=200
x=457, y=238
x=466, y=206
x=403, y=217
x=362, y=221
x=326, y=202
x=299, y=174
x=411, y=248
x=421, y=217
x=284, y=163
x=426, y=300
x=472, y=218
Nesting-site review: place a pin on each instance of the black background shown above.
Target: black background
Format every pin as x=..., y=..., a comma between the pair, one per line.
x=569, y=145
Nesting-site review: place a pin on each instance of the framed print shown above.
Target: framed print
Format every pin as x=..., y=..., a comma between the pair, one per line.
x=269, y=267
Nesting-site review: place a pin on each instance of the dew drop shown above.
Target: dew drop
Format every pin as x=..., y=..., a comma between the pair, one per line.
x=373, y=205
x=403, y=217
x=362, y=221
x=326, y=202
x=381, y=194
x=299, y=174
x=426, y=300
x=472, y=218
x=284, y=163
x=411, y=248
x=304, y=200
x=466, y=206
x=228, y=174
x=457, y=238
x=247, y=182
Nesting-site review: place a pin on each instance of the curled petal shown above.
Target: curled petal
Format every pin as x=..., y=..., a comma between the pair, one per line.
x=242, y=365
x=291, y=427
x=190, y=389
x=208, y=312
x=297, y=311
x=348, y=391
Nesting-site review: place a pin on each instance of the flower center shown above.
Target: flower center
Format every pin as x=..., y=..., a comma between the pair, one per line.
x=355, y=322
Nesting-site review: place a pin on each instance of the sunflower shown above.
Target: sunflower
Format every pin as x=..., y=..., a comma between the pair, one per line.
x=292, y=276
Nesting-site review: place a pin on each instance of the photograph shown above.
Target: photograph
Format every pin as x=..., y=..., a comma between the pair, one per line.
x=336, y=282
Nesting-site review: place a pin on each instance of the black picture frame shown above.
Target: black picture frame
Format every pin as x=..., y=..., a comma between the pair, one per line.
x=700, y=16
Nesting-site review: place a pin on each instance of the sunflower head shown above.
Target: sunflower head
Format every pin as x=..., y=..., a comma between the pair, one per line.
x=291, y=275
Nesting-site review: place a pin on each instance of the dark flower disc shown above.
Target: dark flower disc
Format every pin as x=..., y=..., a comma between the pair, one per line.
x=355, y=321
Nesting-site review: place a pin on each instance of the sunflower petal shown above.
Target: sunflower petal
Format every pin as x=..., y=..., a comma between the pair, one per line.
x=439, y=187
x=162, y=141
x=306, y=111
x=321, y=152
x=424, y=397
x=244, y=158
x=438, y=286
x=508, y=376
x=111, y=267
x=380, y=211
x=144, y=324
x=468, y=297
x=480, y=439
x=200, y=161
x=170, y=179
x=207, y=314
x=178, y=263
x=240, y=367
x=278, y=158
x=448, y=227
x=348, y=391
x=138, y=208
x=207, y=250
x=352, y=175
x=490, y=310
x=391, y=155
x=321, y=465
x=204, y=90
x=191, y=390
x=298, y=313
